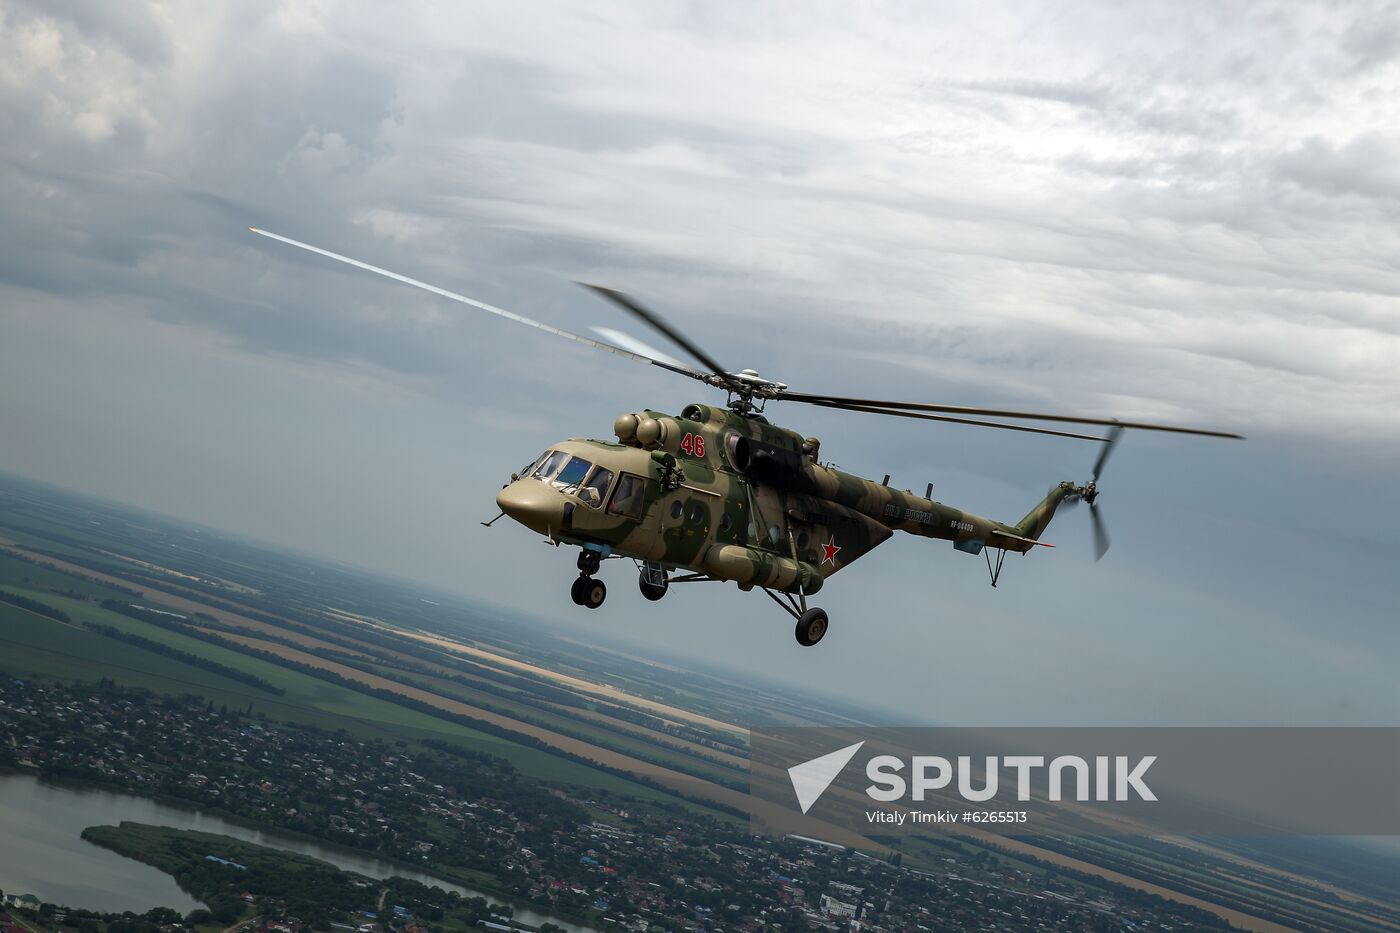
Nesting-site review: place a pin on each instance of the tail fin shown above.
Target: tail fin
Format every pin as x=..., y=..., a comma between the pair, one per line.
x=1039, y=517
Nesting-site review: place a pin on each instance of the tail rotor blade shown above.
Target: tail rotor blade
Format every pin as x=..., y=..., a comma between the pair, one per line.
x=1100, y=533
x=1114, y=433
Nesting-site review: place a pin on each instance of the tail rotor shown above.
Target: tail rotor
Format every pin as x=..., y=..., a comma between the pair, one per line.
x=1089, y=492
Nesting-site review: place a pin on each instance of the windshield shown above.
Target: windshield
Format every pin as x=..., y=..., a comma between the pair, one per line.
x=530, y=467
x=551, y=464
x=573, y=473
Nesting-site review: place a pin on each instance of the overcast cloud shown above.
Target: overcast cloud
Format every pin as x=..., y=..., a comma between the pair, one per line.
x=1174, y=211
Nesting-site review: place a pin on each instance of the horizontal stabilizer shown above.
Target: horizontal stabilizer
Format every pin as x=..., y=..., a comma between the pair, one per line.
x=1003, y=539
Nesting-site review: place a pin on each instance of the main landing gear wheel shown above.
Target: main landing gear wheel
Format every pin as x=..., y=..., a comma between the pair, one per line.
x=589, y=592
x=811, y=626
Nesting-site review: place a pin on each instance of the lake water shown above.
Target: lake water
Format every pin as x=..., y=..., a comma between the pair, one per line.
x=42, y=852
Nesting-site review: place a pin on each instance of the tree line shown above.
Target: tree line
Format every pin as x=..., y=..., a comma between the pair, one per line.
x=185, y=657
x=33, y=605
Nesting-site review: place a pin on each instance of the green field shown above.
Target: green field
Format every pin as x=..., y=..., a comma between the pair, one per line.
x=308, y=599
x=16, y=574
x=616, y=739
x=32, y=645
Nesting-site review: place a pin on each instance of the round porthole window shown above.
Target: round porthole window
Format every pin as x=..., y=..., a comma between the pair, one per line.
x=803, y=541
x=697, y=513
x=725, y=523
x=676, y=509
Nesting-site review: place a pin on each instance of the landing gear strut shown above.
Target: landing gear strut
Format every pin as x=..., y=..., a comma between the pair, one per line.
x=587, y=591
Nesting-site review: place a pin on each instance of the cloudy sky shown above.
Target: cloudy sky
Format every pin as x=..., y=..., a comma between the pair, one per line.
x=1173, y=211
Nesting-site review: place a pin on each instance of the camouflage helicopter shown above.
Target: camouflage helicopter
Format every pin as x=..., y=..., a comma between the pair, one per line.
x=720, y=493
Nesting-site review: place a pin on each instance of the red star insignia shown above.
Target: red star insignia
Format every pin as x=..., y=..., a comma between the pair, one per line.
x=831, y=547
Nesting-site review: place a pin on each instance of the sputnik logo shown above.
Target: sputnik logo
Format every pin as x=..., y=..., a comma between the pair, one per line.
x=811, y=778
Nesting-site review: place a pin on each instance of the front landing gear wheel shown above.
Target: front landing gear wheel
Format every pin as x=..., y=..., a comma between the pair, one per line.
x=811, y=626
x=589, y=592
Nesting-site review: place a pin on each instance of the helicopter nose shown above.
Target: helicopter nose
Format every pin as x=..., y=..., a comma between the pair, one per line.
x=533, y=504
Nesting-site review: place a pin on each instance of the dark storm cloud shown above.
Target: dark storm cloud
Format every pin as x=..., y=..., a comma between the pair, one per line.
x=1175, y=211
x=492, y=167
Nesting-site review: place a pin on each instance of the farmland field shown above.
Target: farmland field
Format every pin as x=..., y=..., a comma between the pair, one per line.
x=177, y=610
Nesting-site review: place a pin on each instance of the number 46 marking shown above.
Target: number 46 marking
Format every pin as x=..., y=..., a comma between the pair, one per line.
x=693, y=444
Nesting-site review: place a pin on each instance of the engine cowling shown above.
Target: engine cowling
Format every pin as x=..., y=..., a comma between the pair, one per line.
x=767, y=463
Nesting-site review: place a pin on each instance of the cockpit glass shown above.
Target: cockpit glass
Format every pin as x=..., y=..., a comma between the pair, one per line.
x=551, y=464
x=593, y=491
x=529, y=468
x=629, y=497
x=573, y=473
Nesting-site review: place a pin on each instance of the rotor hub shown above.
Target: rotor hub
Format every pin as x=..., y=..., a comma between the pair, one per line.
x=745, y=386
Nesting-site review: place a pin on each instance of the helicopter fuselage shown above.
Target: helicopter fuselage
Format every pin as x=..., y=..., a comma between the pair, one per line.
x=726, y=495
x=734, y=497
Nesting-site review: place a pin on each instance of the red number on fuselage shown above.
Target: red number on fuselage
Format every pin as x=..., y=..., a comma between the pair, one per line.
x=693, y=444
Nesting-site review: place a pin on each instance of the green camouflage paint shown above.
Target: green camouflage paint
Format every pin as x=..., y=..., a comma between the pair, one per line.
x=787, y=528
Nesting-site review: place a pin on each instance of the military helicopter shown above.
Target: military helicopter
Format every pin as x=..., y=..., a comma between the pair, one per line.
x=720, y=493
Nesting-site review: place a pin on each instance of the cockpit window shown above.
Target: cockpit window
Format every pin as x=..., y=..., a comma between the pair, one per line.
x=573, y=473
x=551, y=464
x=593, y=491
x=529, y=468
x=629, y=497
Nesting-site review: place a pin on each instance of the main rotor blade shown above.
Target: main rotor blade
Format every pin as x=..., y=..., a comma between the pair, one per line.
x=995, y=413
x=627, y=342
x=1100, y=533
x=632, y=306
x=673, y=366
x=982, y=424
x=1114, y=433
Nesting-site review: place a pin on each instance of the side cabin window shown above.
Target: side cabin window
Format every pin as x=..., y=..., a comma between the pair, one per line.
x=629, y=497
x=595, y=489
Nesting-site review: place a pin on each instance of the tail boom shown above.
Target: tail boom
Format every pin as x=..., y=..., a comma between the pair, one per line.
x=1037, y=519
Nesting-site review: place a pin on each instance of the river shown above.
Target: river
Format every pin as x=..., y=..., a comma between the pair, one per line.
x=42, y=852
